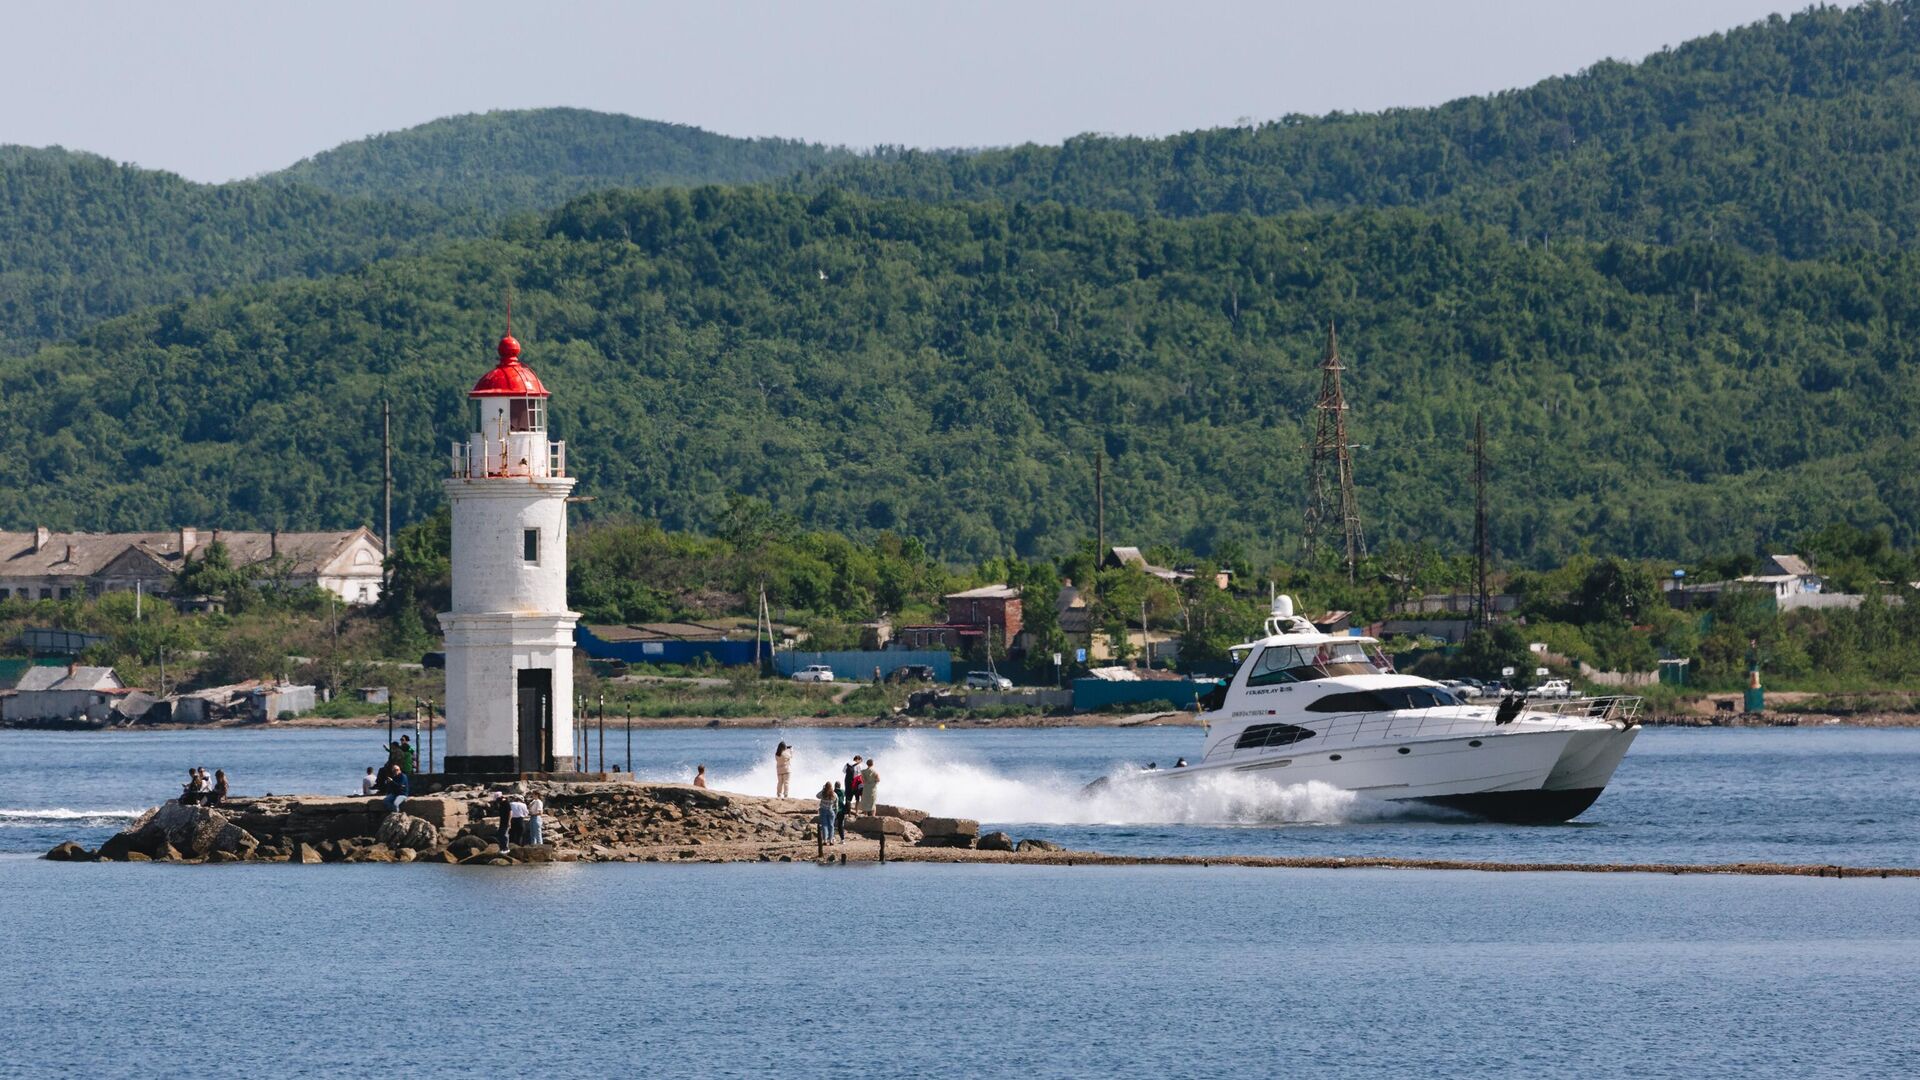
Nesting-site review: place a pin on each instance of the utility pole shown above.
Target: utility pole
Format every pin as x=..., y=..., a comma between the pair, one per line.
x=1482, y=545
x=386, y=493
x=1099, y=508
x=1331, y=498
x=1146, y=642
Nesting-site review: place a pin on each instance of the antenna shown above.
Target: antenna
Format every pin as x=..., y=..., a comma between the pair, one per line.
x=1332, y=497
x=1482, y=546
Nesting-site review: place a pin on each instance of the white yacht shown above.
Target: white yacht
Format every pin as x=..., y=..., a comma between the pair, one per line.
x=1306, y=706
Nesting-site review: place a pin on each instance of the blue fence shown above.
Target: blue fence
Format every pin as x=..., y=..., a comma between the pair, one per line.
x=663, y=652
x=1092, y=695
x=858, y=665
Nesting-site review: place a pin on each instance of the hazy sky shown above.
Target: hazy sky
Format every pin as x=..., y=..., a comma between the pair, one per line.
x=219, y=90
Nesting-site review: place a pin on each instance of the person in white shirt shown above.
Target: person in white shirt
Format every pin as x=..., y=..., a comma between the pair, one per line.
x=517, y=819
x=536, y=811
x=369, y=784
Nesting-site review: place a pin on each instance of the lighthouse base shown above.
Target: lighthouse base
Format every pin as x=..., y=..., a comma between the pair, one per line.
x=498, y=765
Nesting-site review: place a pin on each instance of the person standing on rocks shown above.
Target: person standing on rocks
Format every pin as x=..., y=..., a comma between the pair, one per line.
x=840, y=811
x=782, y=769
x=829, y=812
x=536, y=825
x=406, y=754
x=517, y=815
x=506, y=821
x=852, y=770
x=700, y=777
x=869, y=787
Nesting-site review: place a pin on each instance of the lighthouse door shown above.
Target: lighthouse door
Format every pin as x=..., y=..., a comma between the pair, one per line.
x=536, y=719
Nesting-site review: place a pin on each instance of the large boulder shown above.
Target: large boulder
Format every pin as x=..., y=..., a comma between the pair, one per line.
x=950, y=826
x=199, y=831
x=947, y=841
x=401, y=830
x=304, y=853
x=1034, y=844
x=70, y=852
x=907, y=812
x=996, y=841
x=874, y=827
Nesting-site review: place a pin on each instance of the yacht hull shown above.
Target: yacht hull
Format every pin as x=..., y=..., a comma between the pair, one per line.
x=1520, y=777
x=1540, y=807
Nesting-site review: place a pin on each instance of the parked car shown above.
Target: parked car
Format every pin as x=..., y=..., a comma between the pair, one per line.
x=1552, y=688
x=987, y=680
x=911, y=673
x=1464, y=689
x=814, y=673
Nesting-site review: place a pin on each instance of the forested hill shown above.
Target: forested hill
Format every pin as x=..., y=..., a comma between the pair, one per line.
x=536, y=159
x=1795, y=136
x=949, y=371
x=83, y=238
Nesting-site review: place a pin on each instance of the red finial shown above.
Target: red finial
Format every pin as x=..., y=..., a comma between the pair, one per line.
x=509, y=348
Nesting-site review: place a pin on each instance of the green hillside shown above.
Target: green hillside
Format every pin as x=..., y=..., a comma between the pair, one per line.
x=83, y=238
x=1792, y=136
x=536, y=159
x=955, y=369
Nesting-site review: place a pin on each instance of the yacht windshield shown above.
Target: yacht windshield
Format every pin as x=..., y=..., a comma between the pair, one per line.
x=1305, y=663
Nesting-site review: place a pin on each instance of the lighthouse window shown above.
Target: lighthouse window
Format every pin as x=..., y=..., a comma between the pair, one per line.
x=530, y=545
x=527, y=414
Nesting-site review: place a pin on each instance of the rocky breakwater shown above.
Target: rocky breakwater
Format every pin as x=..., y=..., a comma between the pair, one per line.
x=584, y=822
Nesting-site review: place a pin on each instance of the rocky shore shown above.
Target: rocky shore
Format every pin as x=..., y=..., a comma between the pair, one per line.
x=652, y=822
x=611, y=821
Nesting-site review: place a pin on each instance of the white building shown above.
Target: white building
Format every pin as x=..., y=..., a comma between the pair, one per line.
x=48, y=565
x=509, y=637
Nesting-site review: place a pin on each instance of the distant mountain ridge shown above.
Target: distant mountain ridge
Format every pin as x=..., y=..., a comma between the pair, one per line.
x=535, y=159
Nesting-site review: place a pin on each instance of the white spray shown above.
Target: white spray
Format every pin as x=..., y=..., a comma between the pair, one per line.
x=935, y=776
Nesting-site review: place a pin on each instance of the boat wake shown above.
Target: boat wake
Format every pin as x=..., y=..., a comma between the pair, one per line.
x=921, y=772
x=30, y=818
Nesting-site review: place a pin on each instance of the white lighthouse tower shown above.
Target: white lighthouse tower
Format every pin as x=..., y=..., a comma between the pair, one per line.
x=509, y=635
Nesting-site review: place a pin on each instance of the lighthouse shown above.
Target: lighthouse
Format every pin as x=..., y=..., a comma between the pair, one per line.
x=509, y=637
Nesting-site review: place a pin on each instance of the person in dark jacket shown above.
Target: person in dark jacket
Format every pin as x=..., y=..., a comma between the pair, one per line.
x=219, y=794
x=506, y=821
x=190, y=795
x=395, y=787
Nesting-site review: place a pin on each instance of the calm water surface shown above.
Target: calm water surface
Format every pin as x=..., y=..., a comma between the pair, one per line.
x=904, y=970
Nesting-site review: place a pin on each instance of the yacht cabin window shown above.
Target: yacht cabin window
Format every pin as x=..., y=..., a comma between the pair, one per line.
x=1388, y=699
x=1305, y=663
x=1261, y=735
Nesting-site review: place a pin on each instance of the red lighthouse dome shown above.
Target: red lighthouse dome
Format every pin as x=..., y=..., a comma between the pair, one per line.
x=510, y=377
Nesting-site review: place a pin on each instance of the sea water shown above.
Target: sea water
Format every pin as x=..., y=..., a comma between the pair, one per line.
x=1798, y=795
x=931, y=970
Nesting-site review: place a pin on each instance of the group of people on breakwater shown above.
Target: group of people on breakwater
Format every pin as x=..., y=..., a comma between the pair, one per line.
x=855, y=793
x=204, y=790
x=393, y=781
x=522, y=819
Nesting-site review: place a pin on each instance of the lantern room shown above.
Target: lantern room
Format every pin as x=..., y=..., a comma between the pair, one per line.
x=511, y=439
